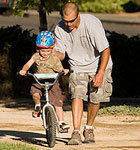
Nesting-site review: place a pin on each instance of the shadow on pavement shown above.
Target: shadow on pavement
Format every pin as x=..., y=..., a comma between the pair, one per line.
x=27, y=103
x=29, y=137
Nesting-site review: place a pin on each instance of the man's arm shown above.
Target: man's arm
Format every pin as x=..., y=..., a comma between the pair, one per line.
x=98, y=79
x=60, y=55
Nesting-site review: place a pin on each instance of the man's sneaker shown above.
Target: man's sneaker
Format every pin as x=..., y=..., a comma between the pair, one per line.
x=63, y=127
x=36, y=112
x=75, y=139
x=89, y=136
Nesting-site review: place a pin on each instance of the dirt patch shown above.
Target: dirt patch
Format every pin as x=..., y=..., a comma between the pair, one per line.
x=111, y=132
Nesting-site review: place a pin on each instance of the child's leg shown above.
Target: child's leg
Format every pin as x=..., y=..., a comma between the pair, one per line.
x=36, y=98
x=37, y=109
x=56, y=99
x=59, y=113
x=36, y=93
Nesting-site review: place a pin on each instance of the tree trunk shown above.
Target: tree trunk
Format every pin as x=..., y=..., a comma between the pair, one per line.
x=42, y=17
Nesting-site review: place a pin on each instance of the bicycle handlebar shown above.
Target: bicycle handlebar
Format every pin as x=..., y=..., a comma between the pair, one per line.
x=54, y=76
x=45, y=76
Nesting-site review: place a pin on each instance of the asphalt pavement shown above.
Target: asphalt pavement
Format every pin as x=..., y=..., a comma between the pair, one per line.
x=123, y=23
x=121, y=18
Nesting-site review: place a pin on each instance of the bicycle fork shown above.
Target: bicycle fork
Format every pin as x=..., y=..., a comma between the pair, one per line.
x=45, y=107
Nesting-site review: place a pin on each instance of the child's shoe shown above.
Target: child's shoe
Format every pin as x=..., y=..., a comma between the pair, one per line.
x=36, y=112
x=63, y=127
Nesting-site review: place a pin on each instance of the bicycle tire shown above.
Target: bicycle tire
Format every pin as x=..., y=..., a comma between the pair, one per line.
x=51, y=126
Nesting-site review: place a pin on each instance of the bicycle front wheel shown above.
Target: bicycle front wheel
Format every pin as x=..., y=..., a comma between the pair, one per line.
x=51, y=126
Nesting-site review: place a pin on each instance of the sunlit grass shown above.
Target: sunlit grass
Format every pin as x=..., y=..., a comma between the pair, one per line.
x=120, y=110
x=131, y=120
x=17, y=146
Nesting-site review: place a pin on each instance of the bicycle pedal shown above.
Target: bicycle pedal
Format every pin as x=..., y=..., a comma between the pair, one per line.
x=36, y=114
x=63, y=131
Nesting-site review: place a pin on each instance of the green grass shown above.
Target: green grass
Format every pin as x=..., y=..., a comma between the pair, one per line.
x=130, y=121
x=120, y=110
x=11, y=146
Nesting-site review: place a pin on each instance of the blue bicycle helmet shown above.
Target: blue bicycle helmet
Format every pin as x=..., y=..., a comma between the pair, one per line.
x=45, y=39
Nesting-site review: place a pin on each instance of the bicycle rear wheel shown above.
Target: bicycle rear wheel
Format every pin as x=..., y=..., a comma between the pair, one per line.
x=51, y=126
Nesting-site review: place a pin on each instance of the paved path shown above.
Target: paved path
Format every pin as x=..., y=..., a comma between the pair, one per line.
x=124, y=23
x=126, y=18
x=113, y=132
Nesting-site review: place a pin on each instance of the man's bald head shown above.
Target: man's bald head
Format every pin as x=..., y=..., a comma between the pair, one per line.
x=68, y=8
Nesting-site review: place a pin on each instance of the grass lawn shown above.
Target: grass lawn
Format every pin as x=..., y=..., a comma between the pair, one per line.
x=11, y=146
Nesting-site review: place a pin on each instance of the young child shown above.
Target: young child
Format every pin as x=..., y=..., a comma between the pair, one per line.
x=46, y=62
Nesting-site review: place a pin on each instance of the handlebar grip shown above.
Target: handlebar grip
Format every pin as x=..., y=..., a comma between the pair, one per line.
x=71, y=71
x=27, y=73
x=17, y=73
x=61, y=73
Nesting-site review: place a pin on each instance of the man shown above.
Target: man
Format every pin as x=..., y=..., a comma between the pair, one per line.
x=82, y=37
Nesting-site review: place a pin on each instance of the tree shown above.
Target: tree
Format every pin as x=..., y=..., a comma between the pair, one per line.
x=42, y=6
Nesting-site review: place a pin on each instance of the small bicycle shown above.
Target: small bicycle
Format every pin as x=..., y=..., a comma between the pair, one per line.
x=50, y=121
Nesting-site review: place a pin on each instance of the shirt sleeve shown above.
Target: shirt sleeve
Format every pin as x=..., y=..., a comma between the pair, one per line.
x=98, y=37
x=34, y=56
x=60, y=40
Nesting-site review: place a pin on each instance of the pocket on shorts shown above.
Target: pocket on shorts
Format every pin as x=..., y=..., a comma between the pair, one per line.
x=108, y=85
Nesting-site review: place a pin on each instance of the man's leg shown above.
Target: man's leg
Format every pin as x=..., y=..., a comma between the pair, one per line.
x=88, y=130
x=77, y=111
x=92, y=112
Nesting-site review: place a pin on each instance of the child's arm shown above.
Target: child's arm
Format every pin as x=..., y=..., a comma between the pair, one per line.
x=26, y=67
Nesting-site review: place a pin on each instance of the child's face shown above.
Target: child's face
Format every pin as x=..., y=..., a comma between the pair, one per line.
x=45, y=52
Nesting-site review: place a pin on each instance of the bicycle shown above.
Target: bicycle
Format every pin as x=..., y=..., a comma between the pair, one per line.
x=50, y=121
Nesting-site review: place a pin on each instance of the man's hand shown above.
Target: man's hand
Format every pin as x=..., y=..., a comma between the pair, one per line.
x=66, y=71
x=98, y=79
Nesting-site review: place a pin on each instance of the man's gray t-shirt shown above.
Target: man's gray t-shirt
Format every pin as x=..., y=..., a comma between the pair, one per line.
x=84, y=46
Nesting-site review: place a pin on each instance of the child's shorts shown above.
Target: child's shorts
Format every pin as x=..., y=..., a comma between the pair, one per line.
x=80, y=87
x=55, y=95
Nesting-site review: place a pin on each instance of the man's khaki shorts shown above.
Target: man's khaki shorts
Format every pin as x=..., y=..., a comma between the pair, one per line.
x=55, y=95
x=80, y=86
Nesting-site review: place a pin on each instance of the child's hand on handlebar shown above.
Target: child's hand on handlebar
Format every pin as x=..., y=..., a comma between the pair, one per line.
x=66, y=71
x=22, y=72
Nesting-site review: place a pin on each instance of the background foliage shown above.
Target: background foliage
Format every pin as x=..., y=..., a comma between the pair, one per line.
x=97, y=6
x=48, y=5
x=108, y=6
x=17, y=46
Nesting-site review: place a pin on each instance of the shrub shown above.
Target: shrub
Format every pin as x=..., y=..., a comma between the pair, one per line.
x=137, y=2
x=103, y=6
x=108, y=6
x=126, y=61
x=16, y=47
x=131, y=7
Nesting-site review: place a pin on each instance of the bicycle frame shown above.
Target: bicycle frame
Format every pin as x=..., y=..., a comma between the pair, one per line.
x=47, y=86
